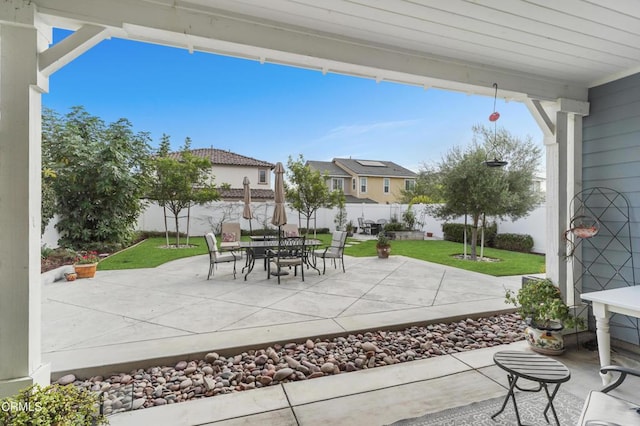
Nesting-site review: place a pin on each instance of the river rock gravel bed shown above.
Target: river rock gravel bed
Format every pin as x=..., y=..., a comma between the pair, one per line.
x=216, y=374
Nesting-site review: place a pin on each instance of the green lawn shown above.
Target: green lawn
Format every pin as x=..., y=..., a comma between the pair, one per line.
x=511, y=263
x=149, y=254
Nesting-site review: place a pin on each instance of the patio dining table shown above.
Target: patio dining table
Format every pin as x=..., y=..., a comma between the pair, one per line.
x=257, y=248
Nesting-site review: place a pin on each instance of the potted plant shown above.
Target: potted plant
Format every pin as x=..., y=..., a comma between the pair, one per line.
x=540, y=304
x=349, y=229
x=86, y=264
x=383, y=245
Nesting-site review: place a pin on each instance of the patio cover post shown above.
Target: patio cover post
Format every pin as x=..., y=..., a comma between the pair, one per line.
x=561, y=124
x=21, y=85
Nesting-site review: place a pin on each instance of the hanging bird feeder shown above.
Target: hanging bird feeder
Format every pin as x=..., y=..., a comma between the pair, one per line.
x=495, y=115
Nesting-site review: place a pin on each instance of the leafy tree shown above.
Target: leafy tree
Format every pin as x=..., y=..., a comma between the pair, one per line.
x=427, y=189
x=307, y=191
x=471, y=188
x=101, y=175
x=180, y=182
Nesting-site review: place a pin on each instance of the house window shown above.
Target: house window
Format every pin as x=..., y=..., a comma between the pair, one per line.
x=353, y=184
x=337, y=184
x=386, y=185
x=262, y=176
x=363, y=185
x=409, y=184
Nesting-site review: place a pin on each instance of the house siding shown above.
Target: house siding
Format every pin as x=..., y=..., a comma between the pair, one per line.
x=611, y=159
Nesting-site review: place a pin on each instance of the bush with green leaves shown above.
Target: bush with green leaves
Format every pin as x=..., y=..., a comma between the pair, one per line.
x=514, y=242
x=455, y=232
x=52, y=405
x=101, y=175
x=393, y=226
x=540, y=302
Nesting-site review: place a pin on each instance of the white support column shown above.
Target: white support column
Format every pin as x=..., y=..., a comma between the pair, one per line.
x=561, y=123
x=21, y=86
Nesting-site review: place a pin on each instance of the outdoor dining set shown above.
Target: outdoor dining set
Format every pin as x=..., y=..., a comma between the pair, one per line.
x=281, y=253
x=286, y=250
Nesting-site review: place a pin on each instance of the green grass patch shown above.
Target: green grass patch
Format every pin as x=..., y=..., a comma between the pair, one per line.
x=442, y=252
x=149, y=254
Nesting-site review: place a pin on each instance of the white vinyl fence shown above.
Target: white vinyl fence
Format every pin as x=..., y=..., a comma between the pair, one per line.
x=208, y=218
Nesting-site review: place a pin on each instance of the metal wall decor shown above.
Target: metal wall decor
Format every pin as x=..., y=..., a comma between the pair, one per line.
x=599, y=238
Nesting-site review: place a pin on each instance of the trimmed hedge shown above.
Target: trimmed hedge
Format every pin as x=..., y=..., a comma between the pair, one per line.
x=393, y=226
x=514, y=242
x=455, y=232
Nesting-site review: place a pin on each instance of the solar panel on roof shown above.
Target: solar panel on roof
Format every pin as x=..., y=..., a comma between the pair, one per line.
x=370, y=163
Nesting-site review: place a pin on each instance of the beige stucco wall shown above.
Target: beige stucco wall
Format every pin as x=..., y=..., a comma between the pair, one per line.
x=234, y=176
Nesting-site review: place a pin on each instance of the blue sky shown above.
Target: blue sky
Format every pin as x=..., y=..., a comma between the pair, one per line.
x=269, y=111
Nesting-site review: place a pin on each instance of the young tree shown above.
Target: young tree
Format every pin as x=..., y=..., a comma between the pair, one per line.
x=427, y=189
x=307, y=190
x=471, y=188
x=180, y=182
x=100, y=174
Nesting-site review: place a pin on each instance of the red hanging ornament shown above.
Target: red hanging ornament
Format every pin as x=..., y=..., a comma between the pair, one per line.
x=494, y=117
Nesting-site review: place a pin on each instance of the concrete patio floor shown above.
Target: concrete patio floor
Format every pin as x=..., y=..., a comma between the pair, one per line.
x=130, y=316
x=127, y=319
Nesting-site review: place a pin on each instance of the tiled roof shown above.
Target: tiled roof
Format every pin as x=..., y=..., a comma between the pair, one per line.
x=353, y=199
x=329, y=167
x=387, y=168
x=238, y=194
x=227, y=158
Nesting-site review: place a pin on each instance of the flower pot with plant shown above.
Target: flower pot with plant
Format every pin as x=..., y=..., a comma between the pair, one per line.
x=383, y=245
x=349, y=229
x=86, y=264
x=540, y=304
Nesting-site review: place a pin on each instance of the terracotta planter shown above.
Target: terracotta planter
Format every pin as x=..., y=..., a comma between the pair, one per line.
x=86, y=271
x=71, y=276
x=383, y=252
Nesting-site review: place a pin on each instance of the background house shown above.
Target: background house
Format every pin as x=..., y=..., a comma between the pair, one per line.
x=366, y=180
x=228, y=170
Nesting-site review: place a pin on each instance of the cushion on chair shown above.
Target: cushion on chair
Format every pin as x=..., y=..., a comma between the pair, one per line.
x=291, y=234
x=608, y=408
x=228, y=237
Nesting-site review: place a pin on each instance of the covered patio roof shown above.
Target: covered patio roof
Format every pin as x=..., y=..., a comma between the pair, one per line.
x=543, y=48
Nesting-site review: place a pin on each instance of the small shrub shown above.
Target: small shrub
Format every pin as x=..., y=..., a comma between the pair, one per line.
x=455, y=232
x=393, y=226
x=52, y=405
x=514, y=242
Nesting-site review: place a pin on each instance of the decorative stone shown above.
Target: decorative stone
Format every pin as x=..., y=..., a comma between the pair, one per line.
x=65, y=380
x=283, y=374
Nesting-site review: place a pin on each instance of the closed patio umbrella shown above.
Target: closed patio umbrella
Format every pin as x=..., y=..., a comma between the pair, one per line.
x=279, y=215
x=246, y=213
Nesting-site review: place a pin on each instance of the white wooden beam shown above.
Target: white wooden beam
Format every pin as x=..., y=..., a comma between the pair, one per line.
x=541, y=116
x=60, y=54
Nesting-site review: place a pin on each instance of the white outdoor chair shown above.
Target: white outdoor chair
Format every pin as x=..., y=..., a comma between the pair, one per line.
x=230, y=236
x=335, y=251
x=215, y=256
x=290, y=230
